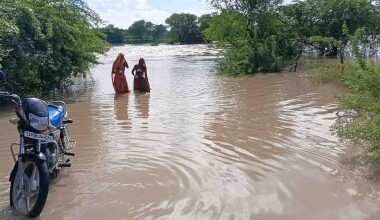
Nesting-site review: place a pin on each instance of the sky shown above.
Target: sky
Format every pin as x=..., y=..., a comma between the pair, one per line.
x=122, y=13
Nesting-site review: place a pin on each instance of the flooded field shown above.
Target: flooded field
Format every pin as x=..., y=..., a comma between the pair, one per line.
x=202, y=146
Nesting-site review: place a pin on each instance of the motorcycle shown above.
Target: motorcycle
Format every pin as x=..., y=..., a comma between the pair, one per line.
x=44, y=149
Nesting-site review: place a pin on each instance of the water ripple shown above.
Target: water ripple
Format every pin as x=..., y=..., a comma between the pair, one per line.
x=201, y=146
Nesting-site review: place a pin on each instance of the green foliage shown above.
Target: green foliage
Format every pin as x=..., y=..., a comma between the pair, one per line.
x=113, y=35
x=8, y=28
x=140, y=31
x=237, y=60
x=365, y=101
x=226, y=28
x=277, y=35
x=158, y=33
x=361, y=123
x=333, y=21
x=51, y=42
x=324, y=71
x=262, y=35
x=171, y=37
x=252, y=47
x=204, y=23
x=186, y=27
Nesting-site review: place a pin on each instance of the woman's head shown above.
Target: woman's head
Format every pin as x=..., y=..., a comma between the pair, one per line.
x=141, y=61
x=120, y=58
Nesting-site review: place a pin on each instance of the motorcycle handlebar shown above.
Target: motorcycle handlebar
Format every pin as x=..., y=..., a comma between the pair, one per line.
x=4, y=93
x=15, y=99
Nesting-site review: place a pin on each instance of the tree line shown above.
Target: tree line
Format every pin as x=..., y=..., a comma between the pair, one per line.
x=266, y=35
x=181, y=28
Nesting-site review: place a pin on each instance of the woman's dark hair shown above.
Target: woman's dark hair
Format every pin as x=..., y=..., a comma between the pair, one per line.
x=141, y=61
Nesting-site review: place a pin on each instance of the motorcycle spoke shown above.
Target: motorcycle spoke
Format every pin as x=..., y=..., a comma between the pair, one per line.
x=37, y=179
x=27, y=201
x=34, y=173
x=32, y=194
x=25, y=178
x=18, y=199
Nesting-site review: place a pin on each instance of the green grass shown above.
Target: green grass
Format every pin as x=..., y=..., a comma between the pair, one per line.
x=362, y=121
x=325, y=71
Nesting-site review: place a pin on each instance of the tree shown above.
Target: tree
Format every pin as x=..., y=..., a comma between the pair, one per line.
x=204, y=21
x=8, y=28
x=186, y=27
x=226, y=28
x=137, y=30
x=113, y=35
x=159, y=32
x=274, y=36
x=334, y=21
x=140, y=31
x=49, y=41
x=258, y=42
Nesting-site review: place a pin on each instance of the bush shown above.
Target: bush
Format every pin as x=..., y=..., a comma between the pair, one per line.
x=364, y=126
x=52, y=42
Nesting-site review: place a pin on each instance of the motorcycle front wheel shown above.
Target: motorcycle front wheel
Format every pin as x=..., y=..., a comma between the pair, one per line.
x=29, y=194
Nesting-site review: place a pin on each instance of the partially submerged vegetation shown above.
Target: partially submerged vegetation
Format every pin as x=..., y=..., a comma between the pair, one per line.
x=364, y=126
x=361, y=121
x=328, y=70
x=267, y=36
x=45, y=43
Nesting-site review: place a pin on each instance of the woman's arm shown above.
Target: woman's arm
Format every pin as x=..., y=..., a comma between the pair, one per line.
x=126, y=63
x=146, y=76
x=146, y=73
x=133, y=70
x=113, y=69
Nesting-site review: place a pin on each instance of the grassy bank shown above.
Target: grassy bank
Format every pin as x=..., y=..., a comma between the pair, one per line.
x=361, y=122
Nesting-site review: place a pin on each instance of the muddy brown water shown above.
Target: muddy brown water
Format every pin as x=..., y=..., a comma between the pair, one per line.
x=202, y=146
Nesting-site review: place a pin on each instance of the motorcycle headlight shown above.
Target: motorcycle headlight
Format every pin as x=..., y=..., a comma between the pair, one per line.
x=38, y=123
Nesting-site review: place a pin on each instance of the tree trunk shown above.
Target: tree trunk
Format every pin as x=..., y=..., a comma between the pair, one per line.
x=341, y=57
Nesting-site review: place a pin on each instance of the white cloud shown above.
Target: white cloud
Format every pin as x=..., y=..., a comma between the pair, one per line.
x=124, y=18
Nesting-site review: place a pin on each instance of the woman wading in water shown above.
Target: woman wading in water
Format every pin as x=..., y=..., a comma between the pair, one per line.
x=140, y=73
x=119, y=80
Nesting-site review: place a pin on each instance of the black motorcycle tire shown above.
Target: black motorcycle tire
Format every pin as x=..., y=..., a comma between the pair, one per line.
x=43, y=190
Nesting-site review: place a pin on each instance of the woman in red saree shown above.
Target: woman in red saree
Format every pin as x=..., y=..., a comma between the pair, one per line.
x=140, y=73
x=119, y=80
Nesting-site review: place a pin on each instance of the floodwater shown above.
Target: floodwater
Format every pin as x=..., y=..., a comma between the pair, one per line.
x=202, y=146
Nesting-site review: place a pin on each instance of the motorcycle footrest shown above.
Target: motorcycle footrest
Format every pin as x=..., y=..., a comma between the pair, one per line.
x=68, y=121
x=69, y=154
x=62, y=165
